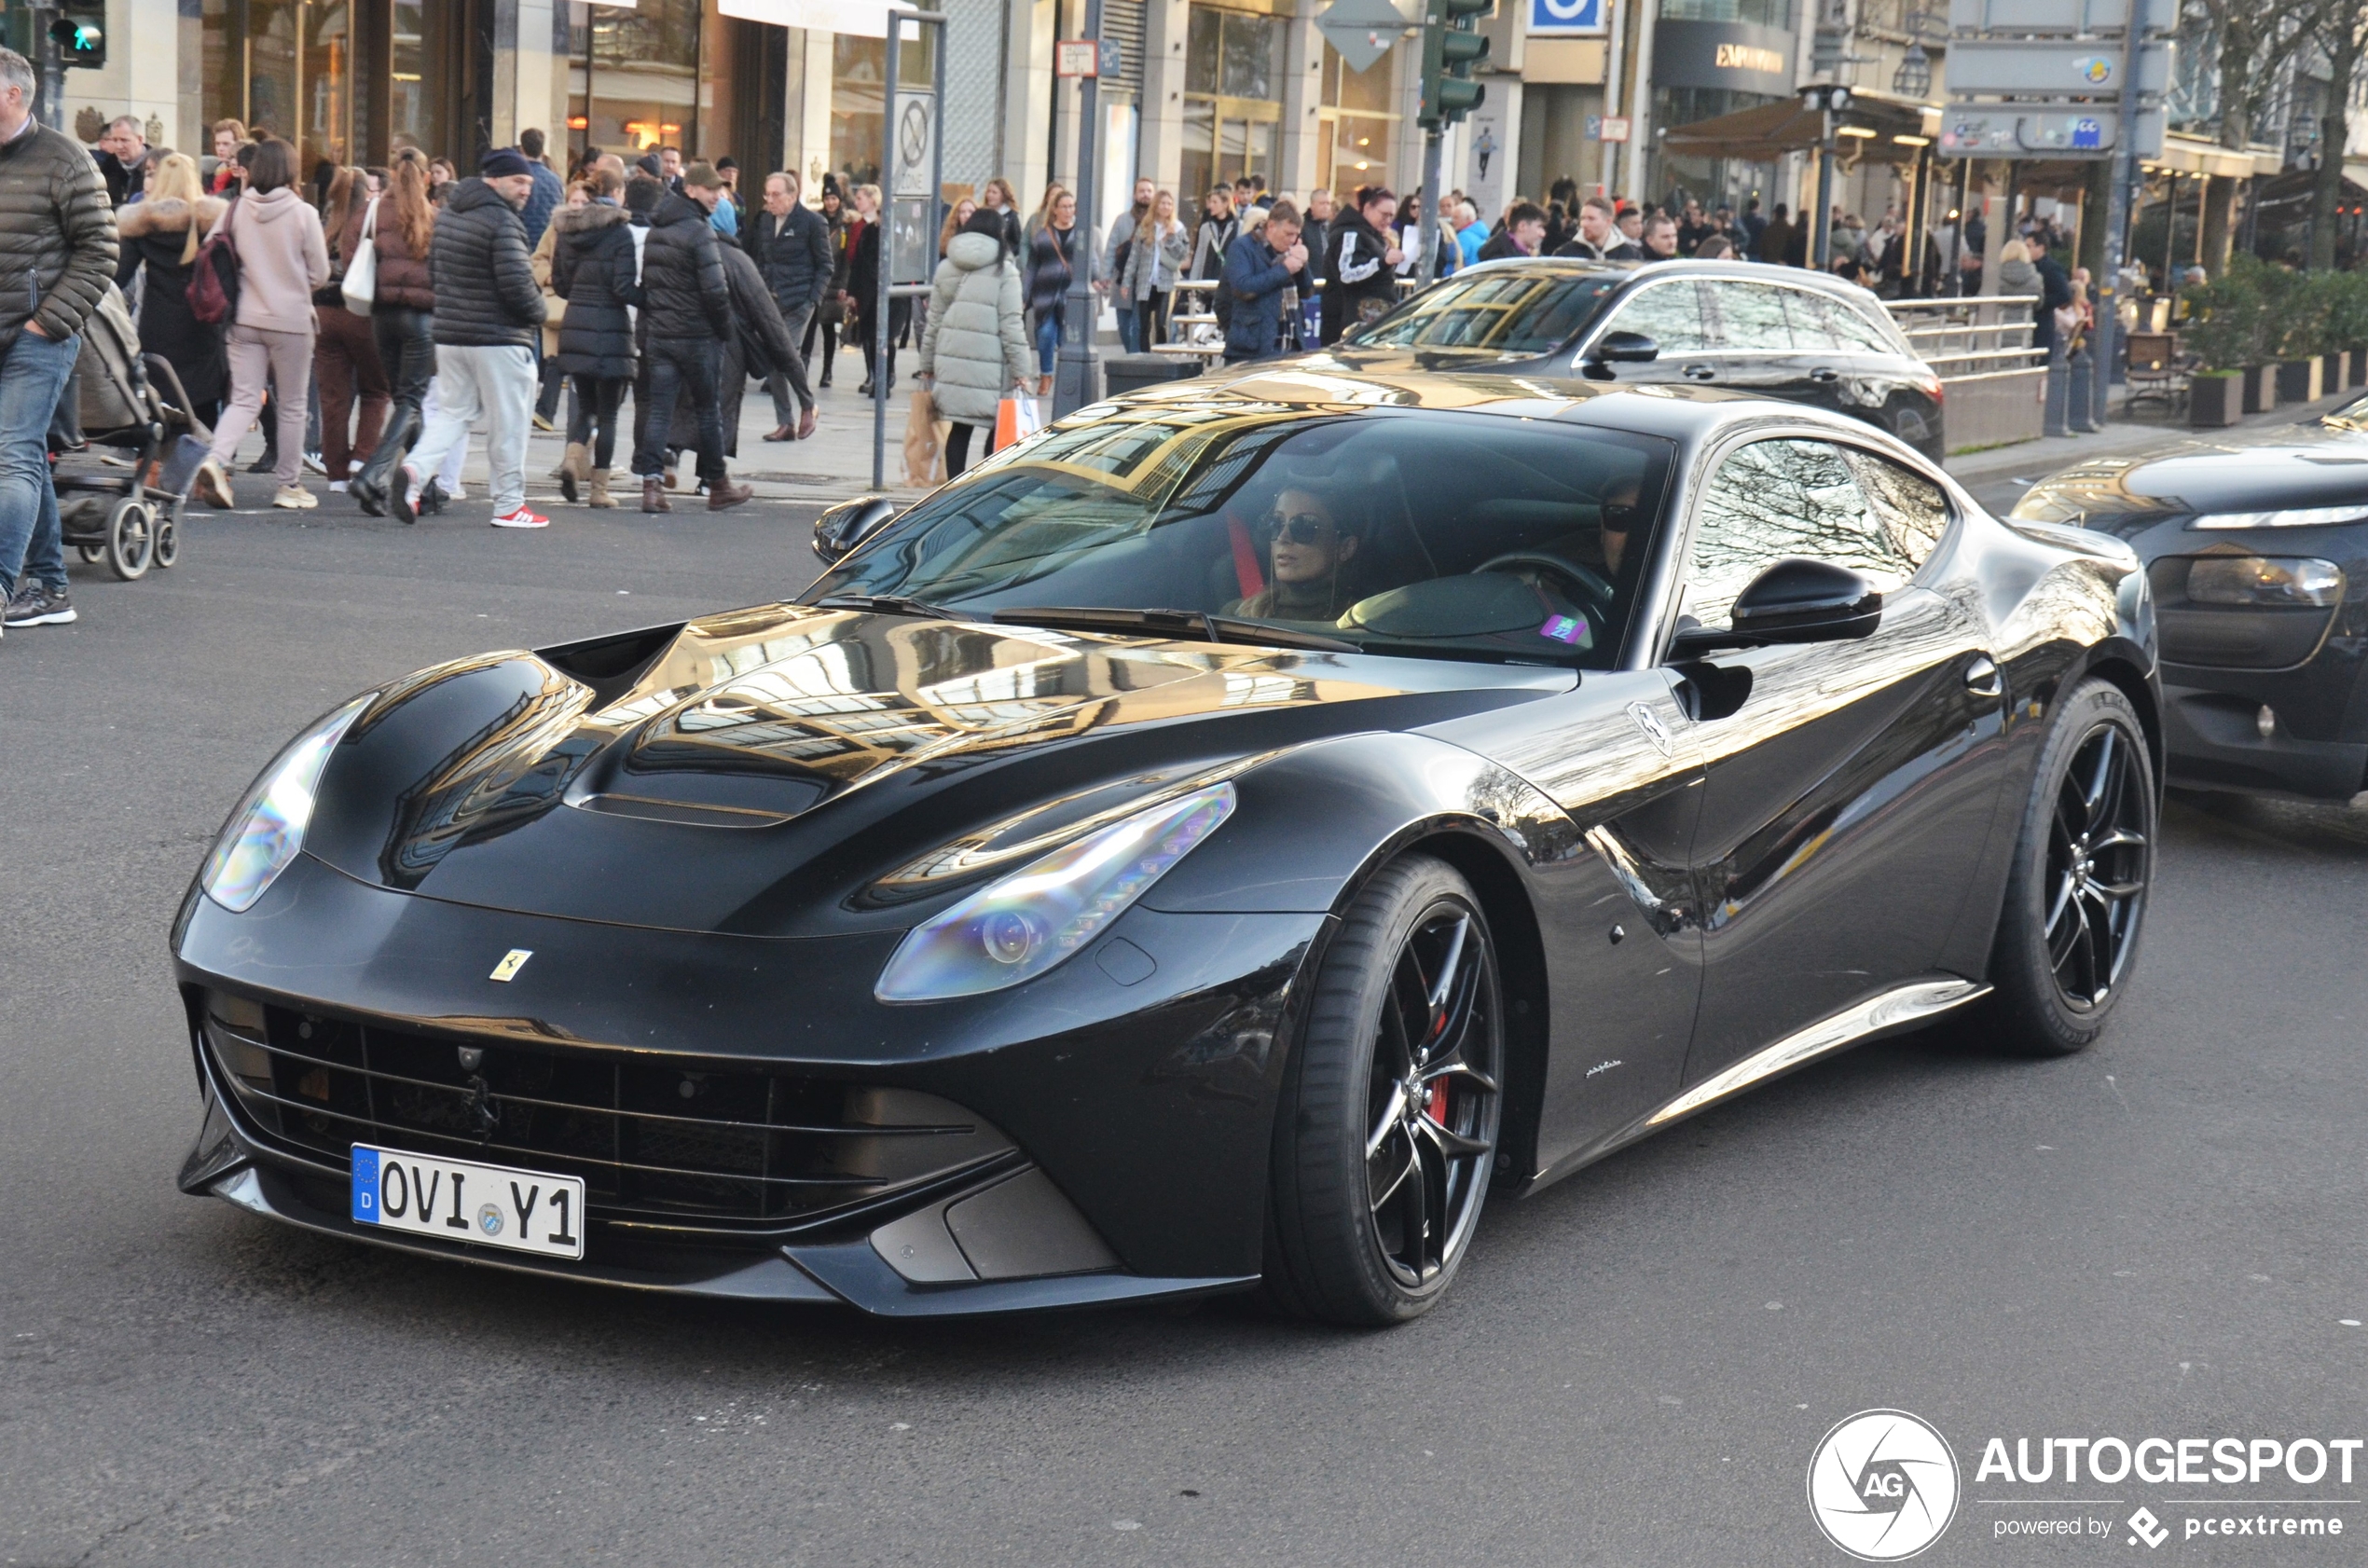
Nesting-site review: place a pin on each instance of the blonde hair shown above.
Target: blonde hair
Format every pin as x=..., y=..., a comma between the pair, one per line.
x=175, y=179
x=999, y=186
x=1146, y=232
x=2014, y=250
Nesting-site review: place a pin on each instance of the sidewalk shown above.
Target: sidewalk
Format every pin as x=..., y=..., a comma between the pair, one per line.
x=2027, y=463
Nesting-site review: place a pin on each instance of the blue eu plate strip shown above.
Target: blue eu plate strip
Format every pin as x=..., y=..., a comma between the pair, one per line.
x=365, y=1185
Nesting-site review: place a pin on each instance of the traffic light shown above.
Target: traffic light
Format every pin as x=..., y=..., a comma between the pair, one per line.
x=80, y=34
x=1452, y=45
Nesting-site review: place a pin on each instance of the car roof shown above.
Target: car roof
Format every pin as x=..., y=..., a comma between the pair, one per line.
x=1683, y=267
x=1680, y=412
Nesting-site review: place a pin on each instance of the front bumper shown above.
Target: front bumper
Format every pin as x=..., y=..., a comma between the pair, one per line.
x=2318, y=742
x=1131, y=1115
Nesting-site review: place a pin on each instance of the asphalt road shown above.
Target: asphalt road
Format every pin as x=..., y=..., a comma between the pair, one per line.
x=2158, y=1238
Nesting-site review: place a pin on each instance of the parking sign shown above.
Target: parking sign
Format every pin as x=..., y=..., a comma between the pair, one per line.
x=1565, y=18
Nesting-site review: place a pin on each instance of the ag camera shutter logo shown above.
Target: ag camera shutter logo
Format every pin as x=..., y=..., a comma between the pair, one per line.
x=1883, y=1485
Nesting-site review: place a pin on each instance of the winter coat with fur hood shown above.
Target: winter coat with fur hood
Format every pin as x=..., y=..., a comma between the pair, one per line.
x=154, y=232
x=976, y=344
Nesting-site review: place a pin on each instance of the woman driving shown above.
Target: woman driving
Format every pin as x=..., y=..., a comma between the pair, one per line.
x=1310, y=557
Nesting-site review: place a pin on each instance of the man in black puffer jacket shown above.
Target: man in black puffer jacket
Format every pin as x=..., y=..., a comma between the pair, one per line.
x=489, y=309
x=57, y=257
x=686, y=314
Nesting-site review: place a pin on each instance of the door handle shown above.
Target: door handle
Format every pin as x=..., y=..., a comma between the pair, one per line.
x=1982, y=677
x=1700, y=372
x=1824, y=373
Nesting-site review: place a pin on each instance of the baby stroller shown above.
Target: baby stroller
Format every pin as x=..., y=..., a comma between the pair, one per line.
x=132, y=402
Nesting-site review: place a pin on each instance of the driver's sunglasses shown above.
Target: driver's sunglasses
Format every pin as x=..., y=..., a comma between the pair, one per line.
x=1619, y=517
x=1300, y=527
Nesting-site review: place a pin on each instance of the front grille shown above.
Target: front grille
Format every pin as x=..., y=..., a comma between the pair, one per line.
x=673, y=1140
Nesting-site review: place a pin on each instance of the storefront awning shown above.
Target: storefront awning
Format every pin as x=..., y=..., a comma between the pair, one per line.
x=2193, y=155
x=862, y=19
x=1888, y=129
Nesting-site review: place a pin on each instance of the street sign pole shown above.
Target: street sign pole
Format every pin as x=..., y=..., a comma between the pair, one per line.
x=1427, y=236
x=1080, y=369
x=885, y=235
x=51, y=110
x=2104, y=342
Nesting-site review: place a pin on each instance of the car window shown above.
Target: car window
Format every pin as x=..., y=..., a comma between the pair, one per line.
x=1851, y=329
x=1774, y=499
x=1429, y=532
x=1752, y=317
x=1671, y=314
x=1912, y=510
x=1510, y=311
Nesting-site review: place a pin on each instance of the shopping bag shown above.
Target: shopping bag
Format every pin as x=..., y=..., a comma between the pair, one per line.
x=1015, y=418
x=360, y=285
x=924, y=453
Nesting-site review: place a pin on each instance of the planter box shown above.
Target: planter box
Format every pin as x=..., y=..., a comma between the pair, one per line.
x=2298, y=380
x=2213, y=401
x=2331, y=376
x=2261, y=388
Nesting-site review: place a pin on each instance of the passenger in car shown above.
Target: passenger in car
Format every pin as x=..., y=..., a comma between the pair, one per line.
x=1309, y=556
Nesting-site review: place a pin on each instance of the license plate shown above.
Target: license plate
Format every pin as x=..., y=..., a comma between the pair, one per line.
x=492, y=1205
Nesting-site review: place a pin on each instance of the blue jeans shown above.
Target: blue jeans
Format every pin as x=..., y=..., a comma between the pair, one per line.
x=33, y=376
x=1130, y=327
x=1047, y=338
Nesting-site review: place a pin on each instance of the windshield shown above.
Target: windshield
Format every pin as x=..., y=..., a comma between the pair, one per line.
x=1401, y=532
x=2351, y=416
x=1512, y=312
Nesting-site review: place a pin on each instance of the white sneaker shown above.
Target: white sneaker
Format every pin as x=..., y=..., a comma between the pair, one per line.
x=457, y=492
x=315, y=462
x=296, y=498
x=521, y=518
x=336, y=486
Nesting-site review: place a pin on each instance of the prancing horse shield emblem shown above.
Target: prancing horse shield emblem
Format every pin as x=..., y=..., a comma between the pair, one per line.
x=1646, y=720
x=515, y=959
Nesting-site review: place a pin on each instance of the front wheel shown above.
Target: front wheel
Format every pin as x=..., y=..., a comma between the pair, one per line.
x=1385, y=1137
x=2076, y=895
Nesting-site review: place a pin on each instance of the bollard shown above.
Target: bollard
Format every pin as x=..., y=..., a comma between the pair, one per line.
x=2058, y=389
x=2084, y=418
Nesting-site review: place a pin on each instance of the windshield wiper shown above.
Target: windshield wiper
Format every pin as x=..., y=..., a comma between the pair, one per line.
x=888, y=604
x=1171, y=623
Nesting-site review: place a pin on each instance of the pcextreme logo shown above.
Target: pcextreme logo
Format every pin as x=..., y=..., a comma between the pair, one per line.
x=1883, y=1485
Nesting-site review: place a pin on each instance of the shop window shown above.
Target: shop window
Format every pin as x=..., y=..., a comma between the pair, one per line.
x=1233, y=91
x=642, y=78
x=1358, y=127
x=1758, y=13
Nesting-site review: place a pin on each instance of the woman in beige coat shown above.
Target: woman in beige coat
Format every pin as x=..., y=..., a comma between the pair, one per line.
x=282, y=257
x=975, y=351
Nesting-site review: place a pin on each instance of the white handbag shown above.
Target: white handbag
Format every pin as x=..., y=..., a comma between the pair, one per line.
x=361, y=285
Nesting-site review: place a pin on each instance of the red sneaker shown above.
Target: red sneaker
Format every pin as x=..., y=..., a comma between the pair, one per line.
x=521, y=518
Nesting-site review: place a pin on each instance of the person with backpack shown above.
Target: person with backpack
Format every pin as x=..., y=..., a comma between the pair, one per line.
x=275, y=246
x=488, y=312
x=57, y=257
x=160, y=233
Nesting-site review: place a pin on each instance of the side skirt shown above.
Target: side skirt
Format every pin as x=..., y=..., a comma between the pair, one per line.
x=1886, y=1012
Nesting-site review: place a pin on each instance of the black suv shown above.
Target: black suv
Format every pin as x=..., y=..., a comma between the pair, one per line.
x=1773, y=330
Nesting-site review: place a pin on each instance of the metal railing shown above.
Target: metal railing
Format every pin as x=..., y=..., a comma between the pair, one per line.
x=1968, y=337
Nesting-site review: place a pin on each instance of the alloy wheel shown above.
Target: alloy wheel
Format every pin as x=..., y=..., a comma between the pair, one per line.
x=1433, y=1100
x=2096, y=868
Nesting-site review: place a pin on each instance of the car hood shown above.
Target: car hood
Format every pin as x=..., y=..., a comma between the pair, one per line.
x=2316, y=465
x=760, y=772
x=1346, y=357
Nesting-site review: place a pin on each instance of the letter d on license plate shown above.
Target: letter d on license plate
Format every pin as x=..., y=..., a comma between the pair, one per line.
x=492, y=1205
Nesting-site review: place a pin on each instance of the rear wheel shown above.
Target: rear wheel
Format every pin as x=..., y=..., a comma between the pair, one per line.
x=1386, y=1138
x=2076, y=896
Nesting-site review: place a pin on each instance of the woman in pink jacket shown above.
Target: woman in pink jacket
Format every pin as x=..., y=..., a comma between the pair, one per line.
x=282, y=257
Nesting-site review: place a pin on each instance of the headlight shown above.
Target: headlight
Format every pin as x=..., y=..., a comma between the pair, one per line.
x=2262, y=582
x=2291, y=517
x=263, y=834
x=1020, y=926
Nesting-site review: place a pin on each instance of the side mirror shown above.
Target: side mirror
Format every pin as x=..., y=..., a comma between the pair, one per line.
x=843, y=527
x=1619, y=347
x=1795, y=600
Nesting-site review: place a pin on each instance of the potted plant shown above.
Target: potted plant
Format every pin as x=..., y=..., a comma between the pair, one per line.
x=2223, y=325
x=2348, y=328
x=2296, y=306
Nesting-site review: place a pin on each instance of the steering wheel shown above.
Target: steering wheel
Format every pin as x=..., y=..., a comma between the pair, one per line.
x=1590, y=586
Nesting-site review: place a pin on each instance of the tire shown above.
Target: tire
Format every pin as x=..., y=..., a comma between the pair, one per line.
x=131, y=537
x=2076, y=895
x=167, y=535
x=1346, y=1127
